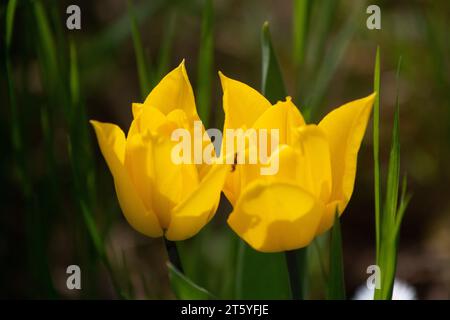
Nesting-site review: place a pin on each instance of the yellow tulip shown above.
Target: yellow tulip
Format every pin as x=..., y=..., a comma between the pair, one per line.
x=157, y=196
x=317, y=167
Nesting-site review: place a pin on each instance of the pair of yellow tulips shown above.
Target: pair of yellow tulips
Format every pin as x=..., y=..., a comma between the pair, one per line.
x=284, y=211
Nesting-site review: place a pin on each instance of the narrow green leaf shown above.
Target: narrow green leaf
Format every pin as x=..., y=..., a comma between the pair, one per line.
x=74, y=76
x=392, y=212
x=184, y=288
x=329, y=64
x=272, y=86
x=393, y=177
x=46, y=41
x=324, y=14
x=16, y=130
x=376, y=151
x=404, y=201
x=205, y=63
x=141, y=63
x=166, y=49
x=300, y=30
x=86, y=213
x=336, y=284
x=10, y=14
x=99, y=47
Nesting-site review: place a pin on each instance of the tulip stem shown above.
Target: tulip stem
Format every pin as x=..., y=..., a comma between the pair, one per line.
x=295, y=260
x=174, y=257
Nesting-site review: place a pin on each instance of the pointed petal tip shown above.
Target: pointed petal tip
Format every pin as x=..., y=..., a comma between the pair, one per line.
x=223, y=80
x=222, y=76
x=95, y=124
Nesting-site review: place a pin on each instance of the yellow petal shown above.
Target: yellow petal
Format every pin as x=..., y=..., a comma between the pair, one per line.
x=199, y=207
x=283, y=116
x=136, y=109
x=274, y=217
x=138, y=162
x=111, y=140
x=172, y=182
x=328, y=216
x=282, y=166
x=345, y=128
x=314, y=162
x=232, y=186
x=151, y=119
x=173, y=92
x=241, y=103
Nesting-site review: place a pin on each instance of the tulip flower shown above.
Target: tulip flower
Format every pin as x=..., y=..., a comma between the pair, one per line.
x=317, y=167
x=157, y=196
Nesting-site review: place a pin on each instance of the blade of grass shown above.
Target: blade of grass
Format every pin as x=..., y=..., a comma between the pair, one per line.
x=77, y=151
x=404, y=201
x=205, y=63
x=300, y=24
x=16, y=130
x=10, y=15
x=376, y=151
x=326, y=10
x=141, y=63
x=388, y=246
x=390, y=226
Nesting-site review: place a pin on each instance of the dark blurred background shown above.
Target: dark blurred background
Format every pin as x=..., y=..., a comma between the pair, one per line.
x=58, y=205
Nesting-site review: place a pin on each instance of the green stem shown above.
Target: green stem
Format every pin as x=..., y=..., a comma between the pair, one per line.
x=296, y=262
x=174, y=257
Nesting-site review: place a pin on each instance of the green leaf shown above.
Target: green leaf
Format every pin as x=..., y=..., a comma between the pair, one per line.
x=272, y=86
x=261, y=275
x=297, y=271
x=141, y=63
x=336, y=284
x=184, y=288
x=205, y=63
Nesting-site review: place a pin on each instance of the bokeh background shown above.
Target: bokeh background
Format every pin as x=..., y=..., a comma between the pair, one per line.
x=58, y=205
